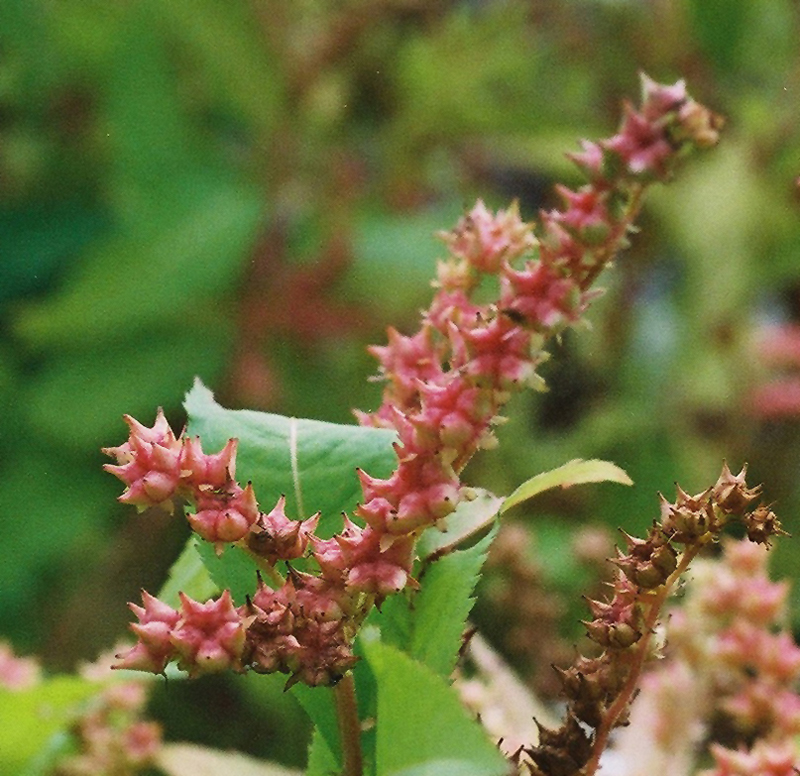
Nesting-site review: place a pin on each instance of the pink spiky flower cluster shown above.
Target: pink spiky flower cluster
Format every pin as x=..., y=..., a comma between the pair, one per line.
x=158, y=467
x=112, y=737
x=202, y=637
x=445, y=388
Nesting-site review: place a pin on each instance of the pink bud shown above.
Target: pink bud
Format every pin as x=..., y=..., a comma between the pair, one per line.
x=486, y=240
x=210, y=636
x=140, y=743
x=148, y=463
x=589, y=161
x=381, y=579
x=659, y=99
x=641, y=145
x=276, y=537
x=154, y=648
x=224, y=516
x=586, y=216
x=202, y=471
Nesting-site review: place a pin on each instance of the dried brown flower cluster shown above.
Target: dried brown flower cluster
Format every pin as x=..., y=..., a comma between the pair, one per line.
x=599, y=690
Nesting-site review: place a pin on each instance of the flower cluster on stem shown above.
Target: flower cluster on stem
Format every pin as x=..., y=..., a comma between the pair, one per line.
x=445, y=389
x=599, y=690
x=728, y=681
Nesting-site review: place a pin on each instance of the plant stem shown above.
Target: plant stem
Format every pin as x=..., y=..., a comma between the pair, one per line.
x=266, y=568
x=349, y=726
x=632, y=681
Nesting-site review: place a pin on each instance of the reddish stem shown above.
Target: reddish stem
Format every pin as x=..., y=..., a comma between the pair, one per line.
x=642, y=649
x=349, y=726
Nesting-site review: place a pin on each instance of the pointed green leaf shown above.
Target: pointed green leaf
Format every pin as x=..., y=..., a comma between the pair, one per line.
x=421, y=723
x=312, y=463
x=321, y=761
x=233, y=570
x=126, y=282
x=441, y=607
x=470, y=520
x=575, y=472
x=318, y=703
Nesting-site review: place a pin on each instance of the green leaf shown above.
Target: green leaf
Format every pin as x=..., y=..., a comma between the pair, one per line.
x=719, y=26
x=189, y=575
x=194, y=760
x=575, y=472
x=30, y=718
x=321, y=761
x=469, y=521
x=396, y=252
x=421, y=723
x=441, y=607
x=442, y=768
x=38, y=240
x=429, y=624
x=233, y=570
x=238, y=67
x=312, y=463
x=319, y=704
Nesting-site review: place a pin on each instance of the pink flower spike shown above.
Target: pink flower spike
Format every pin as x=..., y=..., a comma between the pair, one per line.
x=764, y=759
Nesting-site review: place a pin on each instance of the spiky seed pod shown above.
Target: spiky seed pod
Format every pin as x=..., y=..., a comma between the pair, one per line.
x=762, y=524
x=204, y=472
x=148, y=463
x=731, y=494
x=690, y=517
x=275, y=537
x=224, y=515
x=154, y=648
x=209, y=636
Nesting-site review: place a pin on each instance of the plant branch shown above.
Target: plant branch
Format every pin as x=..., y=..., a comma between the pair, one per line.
x=349, y=726
x=622, y=701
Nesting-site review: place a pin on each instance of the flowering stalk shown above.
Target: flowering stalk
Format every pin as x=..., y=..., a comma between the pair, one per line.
x=600, y=690
x=446, y=386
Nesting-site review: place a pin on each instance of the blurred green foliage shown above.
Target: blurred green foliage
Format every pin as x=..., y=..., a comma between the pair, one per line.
x=246, y=191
